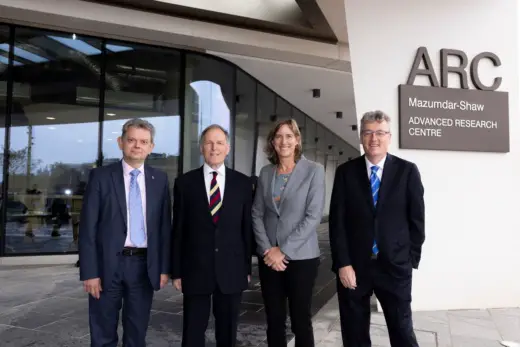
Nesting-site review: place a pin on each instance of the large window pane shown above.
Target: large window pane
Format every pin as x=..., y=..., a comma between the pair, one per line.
x=322, y=144
x=245, y=123
x=283, y=109
x=209, y=100
x=4, y=56
x=265, y=121
x=265, y=105
x=54, y=138
x=309, y=143
x=299, y=117
x=143, y=82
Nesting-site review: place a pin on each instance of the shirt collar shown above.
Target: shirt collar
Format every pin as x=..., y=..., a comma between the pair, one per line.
x=221, y=171
x=127, y=168
x=381, y=163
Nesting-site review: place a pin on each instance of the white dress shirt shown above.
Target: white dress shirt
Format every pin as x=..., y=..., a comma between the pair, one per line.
x=381, y=165
x=141, y=181
x=221, y=179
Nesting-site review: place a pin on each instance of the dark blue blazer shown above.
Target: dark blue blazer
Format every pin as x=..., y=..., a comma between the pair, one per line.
x=103, y=223
x=396, y=223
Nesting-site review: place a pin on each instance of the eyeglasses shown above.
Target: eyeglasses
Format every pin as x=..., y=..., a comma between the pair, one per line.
x=379, y=133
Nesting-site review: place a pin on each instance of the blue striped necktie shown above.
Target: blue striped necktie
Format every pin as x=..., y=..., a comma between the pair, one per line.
x=137, y=231
x=375, y=182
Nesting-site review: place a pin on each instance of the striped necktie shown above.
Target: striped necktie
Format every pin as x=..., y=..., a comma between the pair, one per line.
x=374, y=185
x=215, y=201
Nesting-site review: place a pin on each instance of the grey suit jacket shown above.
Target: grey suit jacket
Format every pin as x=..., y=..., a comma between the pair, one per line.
x=293, y=226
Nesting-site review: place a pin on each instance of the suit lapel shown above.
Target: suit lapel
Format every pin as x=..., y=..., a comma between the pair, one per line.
x=365, y=183
x=200, y=189
x=229, y=192
x=389, y=171
x=149, y=181
x=270, y=179
x=119, y=185
x=294, y=180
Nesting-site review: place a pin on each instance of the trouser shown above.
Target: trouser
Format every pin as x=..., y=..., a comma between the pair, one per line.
x=294, y=285
x=130, y=289
x=395, y=297
x=196, y=310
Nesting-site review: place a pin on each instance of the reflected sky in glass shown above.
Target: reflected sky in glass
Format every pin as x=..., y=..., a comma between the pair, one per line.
x=167, y=135
x=213, y=108
x=78, y=143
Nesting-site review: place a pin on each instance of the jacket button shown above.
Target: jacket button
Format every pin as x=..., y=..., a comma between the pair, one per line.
x=216, y=249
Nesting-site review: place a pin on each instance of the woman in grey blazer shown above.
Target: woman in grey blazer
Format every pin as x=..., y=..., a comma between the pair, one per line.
x=287, y=210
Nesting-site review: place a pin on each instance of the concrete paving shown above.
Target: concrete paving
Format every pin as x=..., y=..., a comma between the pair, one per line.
x=461, y=328
x=46, y=306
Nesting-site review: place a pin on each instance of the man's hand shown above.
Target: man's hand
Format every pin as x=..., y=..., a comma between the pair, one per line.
x=164, y=280
x=248, y=278
x=275, y=259
x=93, y=287
x=177, y=283
x=347, y=276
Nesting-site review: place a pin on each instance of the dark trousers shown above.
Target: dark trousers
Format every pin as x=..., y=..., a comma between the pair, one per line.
x=196, y=310
x=295, y=285
x=130, y=289
x=395, y=296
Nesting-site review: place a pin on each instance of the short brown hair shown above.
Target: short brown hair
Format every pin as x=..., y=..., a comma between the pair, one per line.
x=272, y=156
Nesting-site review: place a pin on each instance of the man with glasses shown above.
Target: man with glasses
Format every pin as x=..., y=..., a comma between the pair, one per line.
x=376, y=236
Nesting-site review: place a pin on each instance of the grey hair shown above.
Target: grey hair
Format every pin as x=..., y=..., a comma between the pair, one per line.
x=211, y=127
x=374, y=116
x=140, y=124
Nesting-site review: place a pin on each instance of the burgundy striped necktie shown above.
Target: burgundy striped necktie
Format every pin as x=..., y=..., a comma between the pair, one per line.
x=215, y=201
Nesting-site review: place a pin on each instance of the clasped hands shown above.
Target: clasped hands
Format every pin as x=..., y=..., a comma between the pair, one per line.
x=275, y=259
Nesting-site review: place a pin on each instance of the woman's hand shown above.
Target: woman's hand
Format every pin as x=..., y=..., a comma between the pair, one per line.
x=275, y=259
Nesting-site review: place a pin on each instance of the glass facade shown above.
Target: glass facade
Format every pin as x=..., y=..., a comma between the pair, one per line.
x=64, y=98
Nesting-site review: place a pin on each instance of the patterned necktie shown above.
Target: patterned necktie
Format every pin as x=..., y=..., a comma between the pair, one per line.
x=137, y=231
x=374, y=185
x=215, y=202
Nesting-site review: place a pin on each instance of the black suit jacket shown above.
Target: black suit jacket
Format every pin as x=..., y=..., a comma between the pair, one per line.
x=206, y=255
x=397, y=223
x=103, y=223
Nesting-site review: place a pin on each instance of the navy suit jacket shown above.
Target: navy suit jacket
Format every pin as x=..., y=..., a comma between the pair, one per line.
x=396, y=223
x=103, y=224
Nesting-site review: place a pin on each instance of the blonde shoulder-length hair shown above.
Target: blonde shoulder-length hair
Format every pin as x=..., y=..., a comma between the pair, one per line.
x=269, y=149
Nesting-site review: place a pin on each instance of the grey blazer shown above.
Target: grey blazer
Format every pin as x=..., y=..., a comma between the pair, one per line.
x=293, y=226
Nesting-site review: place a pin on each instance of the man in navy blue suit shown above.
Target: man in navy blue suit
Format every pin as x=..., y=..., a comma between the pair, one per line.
x=124, y=239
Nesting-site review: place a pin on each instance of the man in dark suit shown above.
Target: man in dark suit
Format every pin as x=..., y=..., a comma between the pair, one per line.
x=376, y=236
x=124, y=239
x=212, y=242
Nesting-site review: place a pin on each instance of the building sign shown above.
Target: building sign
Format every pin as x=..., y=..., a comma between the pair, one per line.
x=440, y=118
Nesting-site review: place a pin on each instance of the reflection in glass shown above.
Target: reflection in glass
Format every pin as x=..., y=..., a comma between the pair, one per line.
x=4, y=64
x=283, y=109
x=55, y=123
x=53, y=141
x=299, y=117
x=209, y=100
x=245, y=123
x=321, y=145
x=143, y=82
x=266, y=106
x=309, y=144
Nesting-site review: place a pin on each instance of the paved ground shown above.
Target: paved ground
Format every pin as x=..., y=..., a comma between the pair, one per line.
x=462, y=328
x=46, y=306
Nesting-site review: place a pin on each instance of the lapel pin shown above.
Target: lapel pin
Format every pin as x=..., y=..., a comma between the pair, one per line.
x=153, y=178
